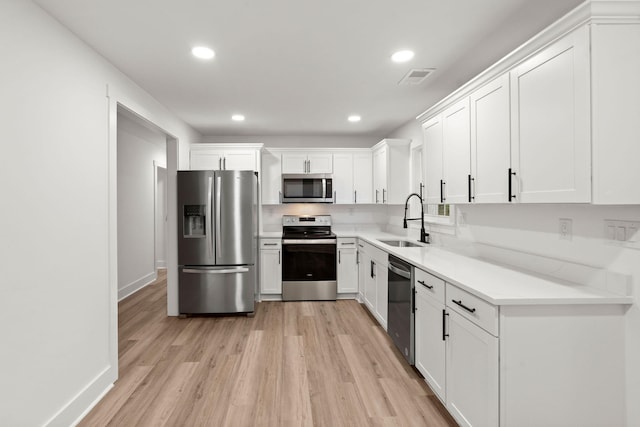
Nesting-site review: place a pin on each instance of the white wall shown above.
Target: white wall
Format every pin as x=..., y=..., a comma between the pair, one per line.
x=161, y=218
x=525, y=230
x=58, y=263
x=345, y=216
x=273, y=141
x=139, y=149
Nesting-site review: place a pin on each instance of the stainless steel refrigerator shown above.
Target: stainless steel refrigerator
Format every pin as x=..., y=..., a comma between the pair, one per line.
x=217, y=241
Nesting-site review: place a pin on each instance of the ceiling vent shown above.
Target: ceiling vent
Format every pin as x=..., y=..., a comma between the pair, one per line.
x=416, y=76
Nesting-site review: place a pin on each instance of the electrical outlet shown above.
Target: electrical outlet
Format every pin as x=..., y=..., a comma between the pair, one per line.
x=624, y=233
x=565, y=228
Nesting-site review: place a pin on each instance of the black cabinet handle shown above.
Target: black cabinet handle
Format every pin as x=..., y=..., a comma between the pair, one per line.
x=413, y=301
x=469, y=181
x=511, y=195
x=372, y=269
x=441, y=191
x=425, y=285
x=459, y=303
x=339, y=257
x=444, y=320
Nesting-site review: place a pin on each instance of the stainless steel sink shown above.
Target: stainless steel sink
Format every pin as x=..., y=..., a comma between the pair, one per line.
x=400, y=243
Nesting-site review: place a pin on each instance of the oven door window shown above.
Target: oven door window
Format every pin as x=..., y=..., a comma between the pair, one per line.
x=308, y=262
x=308, y=188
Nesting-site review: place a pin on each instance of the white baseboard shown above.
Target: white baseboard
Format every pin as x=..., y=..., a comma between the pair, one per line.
x=161, y=264
x=74, y=411
x=136, y=285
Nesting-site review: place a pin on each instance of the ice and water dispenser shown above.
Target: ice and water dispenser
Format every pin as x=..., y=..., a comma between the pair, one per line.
x=194, y=221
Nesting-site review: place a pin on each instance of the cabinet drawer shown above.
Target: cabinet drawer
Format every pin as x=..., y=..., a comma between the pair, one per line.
x=473, y=308
x=270, y=243
x=347, y=242
x=432, y=285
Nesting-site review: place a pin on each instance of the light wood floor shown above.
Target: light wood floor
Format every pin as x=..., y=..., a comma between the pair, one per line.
x=293, y=364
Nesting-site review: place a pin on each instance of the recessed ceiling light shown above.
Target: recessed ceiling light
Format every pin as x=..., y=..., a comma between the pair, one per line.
x=402, y=56
x=354, y=119
x=237, y=118
x=202, y=52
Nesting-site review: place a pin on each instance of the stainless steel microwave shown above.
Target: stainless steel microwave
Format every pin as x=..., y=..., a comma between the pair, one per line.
x=307, y=188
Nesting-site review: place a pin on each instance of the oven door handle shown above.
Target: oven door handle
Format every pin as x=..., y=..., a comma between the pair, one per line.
x=309, y=241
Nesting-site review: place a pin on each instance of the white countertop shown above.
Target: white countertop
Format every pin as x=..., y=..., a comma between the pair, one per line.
x=494, y=283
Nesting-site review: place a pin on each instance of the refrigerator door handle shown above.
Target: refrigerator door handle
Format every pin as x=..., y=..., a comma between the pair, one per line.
x=218, y=224
x=223, y=270
x=209, y=215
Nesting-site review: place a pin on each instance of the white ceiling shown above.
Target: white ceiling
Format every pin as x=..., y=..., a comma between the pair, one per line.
x=297, y=67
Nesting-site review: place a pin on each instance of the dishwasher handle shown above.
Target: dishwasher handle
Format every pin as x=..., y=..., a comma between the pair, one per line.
x=399, y=270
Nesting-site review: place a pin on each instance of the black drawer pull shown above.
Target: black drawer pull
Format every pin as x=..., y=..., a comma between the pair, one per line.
x=425, y=285
x=470, y=310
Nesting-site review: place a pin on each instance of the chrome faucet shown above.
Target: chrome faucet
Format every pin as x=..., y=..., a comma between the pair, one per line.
x=424, y=236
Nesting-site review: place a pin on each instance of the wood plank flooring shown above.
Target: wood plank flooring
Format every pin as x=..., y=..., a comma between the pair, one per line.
x=292, y=364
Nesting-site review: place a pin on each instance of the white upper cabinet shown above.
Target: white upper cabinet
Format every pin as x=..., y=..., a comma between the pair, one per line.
x=391, y=171
x=432, y=154
x=456, y=152
x=490, y=142
x=271, y=178
x=380, y=175
x=363, y=177
x=352, y=176
x=550, y=110
x=225, y=157
x=307, y=162
x=615, y=61
x=343, y=178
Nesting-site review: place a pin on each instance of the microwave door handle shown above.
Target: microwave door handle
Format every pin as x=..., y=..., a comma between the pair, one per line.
x=209, y=212
x=324, y=189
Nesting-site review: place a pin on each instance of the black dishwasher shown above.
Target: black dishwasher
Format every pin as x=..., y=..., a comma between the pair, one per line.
x=401, y=306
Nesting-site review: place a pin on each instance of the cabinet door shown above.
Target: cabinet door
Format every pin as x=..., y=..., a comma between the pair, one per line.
x=361, y=272
x=430, y=346
x=380, y=175
x=271, y=179
x=294, y=162
x=491, y=141
x=320, y=163
x=432, y=152
x=270, y=271
x=456, y=152
x=472, y=373
x=615, y=59
x=343, y=178
x=551, y=141
x=347, y=269
x=205, y=160
x=244, y=160
x=382, y=293
x=362, y=178
x=369, y=281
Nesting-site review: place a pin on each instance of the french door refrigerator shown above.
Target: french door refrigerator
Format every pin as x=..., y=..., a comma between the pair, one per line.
x=217, y=241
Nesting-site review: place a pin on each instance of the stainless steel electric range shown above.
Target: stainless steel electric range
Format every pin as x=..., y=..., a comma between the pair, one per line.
x=308, y=258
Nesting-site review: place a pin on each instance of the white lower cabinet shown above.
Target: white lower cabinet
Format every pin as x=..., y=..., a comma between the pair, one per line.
x=372, y=278
x=519, y=365
x=430, y=344
x=347, y=271
x=270, y=266
x=457, y=357
x=472, y=373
